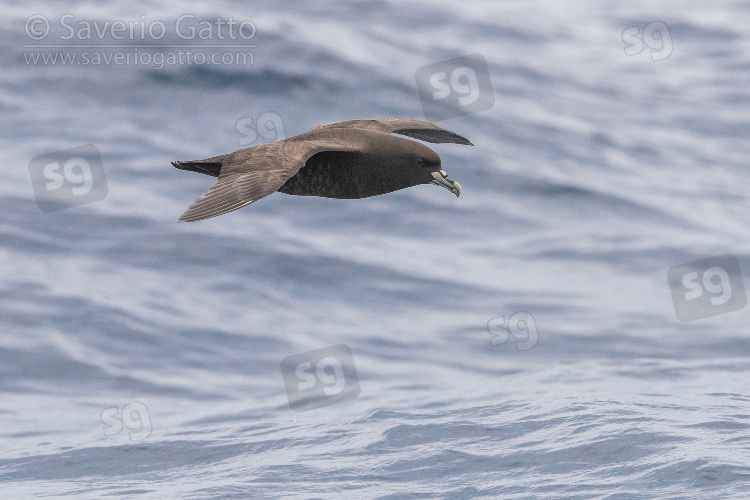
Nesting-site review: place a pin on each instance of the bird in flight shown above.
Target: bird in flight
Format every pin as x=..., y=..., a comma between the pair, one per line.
x=348, y=159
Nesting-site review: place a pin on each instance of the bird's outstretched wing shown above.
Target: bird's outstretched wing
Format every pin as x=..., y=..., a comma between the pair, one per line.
x=417, y=129
x=250, y=174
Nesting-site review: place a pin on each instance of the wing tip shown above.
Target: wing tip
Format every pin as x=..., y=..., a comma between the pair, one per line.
x=463, y=141
x=185, y=217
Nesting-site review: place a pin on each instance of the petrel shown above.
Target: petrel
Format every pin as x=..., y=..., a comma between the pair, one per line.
x=348, y=159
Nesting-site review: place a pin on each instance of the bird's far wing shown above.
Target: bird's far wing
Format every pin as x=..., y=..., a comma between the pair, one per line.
x=250, y=174
x=417, y=129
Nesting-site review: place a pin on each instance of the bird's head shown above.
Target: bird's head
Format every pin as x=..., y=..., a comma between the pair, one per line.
x=429, y=165
x=418, y=164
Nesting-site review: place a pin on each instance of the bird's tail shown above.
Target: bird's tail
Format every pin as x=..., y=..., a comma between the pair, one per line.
x=209, y=166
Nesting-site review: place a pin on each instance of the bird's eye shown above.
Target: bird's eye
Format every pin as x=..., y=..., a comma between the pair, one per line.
x=420, y=162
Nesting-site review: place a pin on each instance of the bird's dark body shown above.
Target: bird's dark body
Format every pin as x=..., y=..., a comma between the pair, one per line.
x=330, y=174
x=343, y=174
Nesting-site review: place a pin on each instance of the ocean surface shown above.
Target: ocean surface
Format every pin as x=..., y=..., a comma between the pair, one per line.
x=526, y=340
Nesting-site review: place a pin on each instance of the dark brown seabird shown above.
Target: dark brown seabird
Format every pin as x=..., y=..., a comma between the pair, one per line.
x=349, y=159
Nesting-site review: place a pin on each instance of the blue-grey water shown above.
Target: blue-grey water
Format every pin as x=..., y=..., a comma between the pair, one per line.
x=140, y=358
